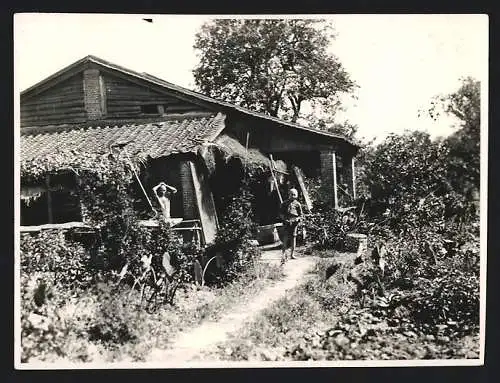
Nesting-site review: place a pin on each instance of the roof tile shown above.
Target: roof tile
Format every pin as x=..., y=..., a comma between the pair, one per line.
x=155, y=139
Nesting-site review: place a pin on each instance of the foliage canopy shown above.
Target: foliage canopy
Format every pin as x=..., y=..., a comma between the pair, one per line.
x=270, y=66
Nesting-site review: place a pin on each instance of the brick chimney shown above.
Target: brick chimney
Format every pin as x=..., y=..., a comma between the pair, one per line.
x=94, y=94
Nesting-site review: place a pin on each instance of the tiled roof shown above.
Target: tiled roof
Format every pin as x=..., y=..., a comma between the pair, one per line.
x=157, y=139
x=186, y=92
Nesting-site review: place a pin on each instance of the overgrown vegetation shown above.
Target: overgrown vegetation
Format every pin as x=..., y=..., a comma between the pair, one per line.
x=324, y=319
x=60, y=270
x=416, y=295
x=233, y=247
x=427, y=225
x=101, y=324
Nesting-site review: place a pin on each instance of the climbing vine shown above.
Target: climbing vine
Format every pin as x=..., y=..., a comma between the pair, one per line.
x=103, y=186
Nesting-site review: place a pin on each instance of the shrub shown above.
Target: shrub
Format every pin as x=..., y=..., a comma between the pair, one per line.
x=436, y=279
x=429, y=225
x=142, y=242
x=452, y=299
x=66, y=263
x=54, y=273
x=46, y=332
x=233, y=243
x=116, y=320
x=56, y=270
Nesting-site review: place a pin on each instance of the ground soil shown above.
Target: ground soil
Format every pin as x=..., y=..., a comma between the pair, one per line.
x=187, y=346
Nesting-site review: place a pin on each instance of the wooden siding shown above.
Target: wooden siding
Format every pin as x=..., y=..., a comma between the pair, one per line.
x=270, y=138
x=125, y=98
x=62, y=103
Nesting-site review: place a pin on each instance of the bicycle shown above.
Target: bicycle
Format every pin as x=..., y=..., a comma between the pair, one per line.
x=159, y=291
x=154, y=290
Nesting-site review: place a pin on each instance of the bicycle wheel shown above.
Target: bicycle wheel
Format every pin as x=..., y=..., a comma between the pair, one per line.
x=154, y=296
x=171, y=289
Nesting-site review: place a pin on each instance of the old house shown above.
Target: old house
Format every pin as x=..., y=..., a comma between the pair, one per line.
x=94, y=105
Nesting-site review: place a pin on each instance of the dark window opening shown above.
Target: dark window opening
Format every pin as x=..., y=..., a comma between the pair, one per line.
x=150, y=109
x=65, y=207
x=34, y=212
x=158, y=170
x=55, y=201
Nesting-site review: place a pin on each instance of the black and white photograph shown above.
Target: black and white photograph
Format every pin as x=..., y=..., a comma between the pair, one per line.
x=197, y=191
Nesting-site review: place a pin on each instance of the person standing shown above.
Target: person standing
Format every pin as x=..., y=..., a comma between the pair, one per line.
x=163, y=192
x=291, y=215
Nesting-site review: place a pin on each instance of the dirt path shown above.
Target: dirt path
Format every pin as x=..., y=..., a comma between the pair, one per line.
x=188, y=345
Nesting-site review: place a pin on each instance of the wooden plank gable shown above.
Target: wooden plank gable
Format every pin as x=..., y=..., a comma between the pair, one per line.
x=125, y=99
x=62, y=103
x=115, y=95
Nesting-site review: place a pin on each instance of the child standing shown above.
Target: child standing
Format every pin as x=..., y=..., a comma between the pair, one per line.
x=291, y=215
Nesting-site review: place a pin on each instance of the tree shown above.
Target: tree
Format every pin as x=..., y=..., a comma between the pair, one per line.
x=409, y=175
x=464, y=144
x=270, y=66
x=406, y=167
x=464, y=104
x=328, y=123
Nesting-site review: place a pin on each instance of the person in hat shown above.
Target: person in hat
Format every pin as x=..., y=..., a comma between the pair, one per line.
x=291, y=215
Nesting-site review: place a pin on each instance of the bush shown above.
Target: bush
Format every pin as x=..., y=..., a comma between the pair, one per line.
x=46, y=331
x=436, y=279
x=143, y=242
x=450, y=299
x=429, y=225
x=116, y=320
x=233, y=245
x=56, y=273
x=66, y=263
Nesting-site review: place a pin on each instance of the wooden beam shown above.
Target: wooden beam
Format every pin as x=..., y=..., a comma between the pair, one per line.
x=353, y=177
x=54, y=110
x=133, y=100
x=276, y=184
x=55, y=116
x=205, y=204
x=47, y=104
x=49, y=199
x=102, y=91
x=303, y=188
x=51, y=226
x=115, y=108
x=335, y=194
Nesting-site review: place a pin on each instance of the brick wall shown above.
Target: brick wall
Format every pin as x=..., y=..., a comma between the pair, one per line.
x=187, y=190
x=92, y=94
x=328, y=169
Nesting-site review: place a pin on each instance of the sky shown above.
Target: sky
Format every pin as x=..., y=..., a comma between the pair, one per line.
x=399, y=62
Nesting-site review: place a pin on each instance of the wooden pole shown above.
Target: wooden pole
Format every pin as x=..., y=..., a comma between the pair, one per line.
x=131, y=165
x=102, y=91
x=335, y=195
x=246, y=144
x=246, y=152
x=274, y=178
x=353, y=177
x=302, y=185
x=49, y=199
